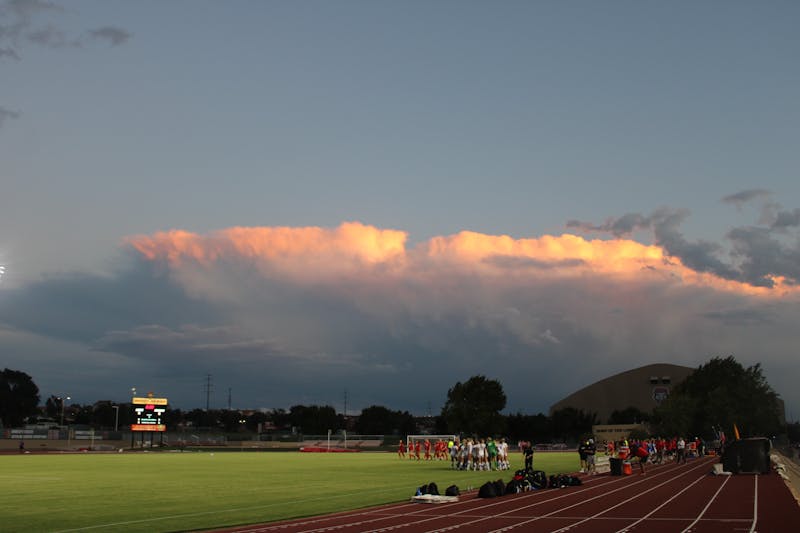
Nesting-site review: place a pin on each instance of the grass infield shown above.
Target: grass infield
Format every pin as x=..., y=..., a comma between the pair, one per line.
x=148, y=492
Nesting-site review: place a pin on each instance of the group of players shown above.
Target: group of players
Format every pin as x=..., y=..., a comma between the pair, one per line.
x=467, y=454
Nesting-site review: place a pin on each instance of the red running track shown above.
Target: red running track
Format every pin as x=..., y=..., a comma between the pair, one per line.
x=668, y=498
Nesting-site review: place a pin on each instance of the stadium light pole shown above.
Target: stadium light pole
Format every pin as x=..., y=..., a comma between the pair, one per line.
x=63, y=404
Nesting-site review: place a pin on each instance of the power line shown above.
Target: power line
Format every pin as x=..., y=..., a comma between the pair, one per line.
x=208, y=388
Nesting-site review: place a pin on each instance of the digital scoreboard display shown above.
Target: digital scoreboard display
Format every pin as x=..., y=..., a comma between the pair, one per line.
x=149, y=414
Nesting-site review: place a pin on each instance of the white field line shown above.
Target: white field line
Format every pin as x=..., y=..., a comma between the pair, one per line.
x=755, y=506
x=207, y=513
x=605, y=494
x=714, y=497
x=23, y=477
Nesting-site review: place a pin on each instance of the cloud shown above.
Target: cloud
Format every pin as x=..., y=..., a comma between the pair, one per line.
x=288, y=315
x=6, y=114
x=763, y=258
x=9, y=52
x=740, y=198
x=740, y=317
x=783, y=220
x=618, y=227
x=116, y=36
x=35, y=22
x=754, y=256
x=17, y=23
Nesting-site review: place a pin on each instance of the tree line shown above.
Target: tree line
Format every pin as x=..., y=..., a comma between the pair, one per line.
x=719, y=394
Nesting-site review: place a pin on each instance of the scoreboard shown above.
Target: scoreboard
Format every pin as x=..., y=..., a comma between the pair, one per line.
x=149, y=414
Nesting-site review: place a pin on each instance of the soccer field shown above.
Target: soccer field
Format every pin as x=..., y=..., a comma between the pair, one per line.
x=147, y=492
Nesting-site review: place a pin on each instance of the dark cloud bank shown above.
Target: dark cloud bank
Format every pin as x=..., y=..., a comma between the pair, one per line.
x=276, y=343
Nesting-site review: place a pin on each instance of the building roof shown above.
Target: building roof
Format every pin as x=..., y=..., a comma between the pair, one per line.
x=644, y=388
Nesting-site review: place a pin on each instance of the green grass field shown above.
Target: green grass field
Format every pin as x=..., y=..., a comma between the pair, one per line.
x=150, y=492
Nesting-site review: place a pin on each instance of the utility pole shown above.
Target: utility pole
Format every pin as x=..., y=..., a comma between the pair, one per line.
x=345, y=403
x=229, y=398
x=208, y=388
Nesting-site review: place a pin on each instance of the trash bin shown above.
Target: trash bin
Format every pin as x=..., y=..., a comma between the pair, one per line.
x=615, y=466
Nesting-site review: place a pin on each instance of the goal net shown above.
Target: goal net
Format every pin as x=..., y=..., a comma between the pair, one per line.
x=411, y=440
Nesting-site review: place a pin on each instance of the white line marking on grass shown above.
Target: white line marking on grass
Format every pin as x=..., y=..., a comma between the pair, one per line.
x=714, y=497
x=206, y=513
x=31, y=478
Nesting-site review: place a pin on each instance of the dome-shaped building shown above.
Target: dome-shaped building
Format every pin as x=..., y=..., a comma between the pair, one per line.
x=644, y=388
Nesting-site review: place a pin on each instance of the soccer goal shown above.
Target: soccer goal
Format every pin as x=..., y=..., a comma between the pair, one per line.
x=411, y=440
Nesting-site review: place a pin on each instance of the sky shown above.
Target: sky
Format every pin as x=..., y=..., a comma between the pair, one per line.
x=361, y=203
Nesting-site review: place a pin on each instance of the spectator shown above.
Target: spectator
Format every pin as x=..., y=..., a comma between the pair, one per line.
x=528, y=452
x=582, y=455
x=591, y=450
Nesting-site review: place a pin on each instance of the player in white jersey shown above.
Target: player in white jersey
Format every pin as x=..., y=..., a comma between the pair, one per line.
x=502, y=455
x=480, y=454
x=466, y=455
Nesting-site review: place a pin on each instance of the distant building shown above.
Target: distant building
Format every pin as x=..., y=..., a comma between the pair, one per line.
x=644, y=388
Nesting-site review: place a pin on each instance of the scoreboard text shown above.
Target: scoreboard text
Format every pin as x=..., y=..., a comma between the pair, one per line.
x=148, y=413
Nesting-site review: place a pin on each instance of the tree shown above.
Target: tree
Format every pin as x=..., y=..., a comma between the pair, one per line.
x=793, y=432
x=315, y=420
x=629, y=415
x=474, y=407
x=378, y=420
x=19, y=397
x=256, y=420
x=570, y=424
x=533, y=428
x=719, y=394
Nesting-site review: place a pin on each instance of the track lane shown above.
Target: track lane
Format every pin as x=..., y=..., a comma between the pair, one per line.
x=669, y=498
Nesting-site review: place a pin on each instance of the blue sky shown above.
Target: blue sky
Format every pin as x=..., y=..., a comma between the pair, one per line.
x=120, y=120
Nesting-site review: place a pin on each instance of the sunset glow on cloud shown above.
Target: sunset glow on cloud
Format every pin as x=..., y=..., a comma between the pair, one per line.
x=354, y=249
x=296, y=252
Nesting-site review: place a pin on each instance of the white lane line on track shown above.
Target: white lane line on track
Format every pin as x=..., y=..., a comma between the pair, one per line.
x=428, y=518
x=379, y=514
x=687, y=487
x=755, y=505
x=382, y=512
x=466, y=513
x=714, y=497
x=621, y=481
x=528, y=496
x=508, y=528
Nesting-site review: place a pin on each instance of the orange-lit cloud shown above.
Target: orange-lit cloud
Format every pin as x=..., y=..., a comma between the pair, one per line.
x=360, y=251
x=307, y=252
